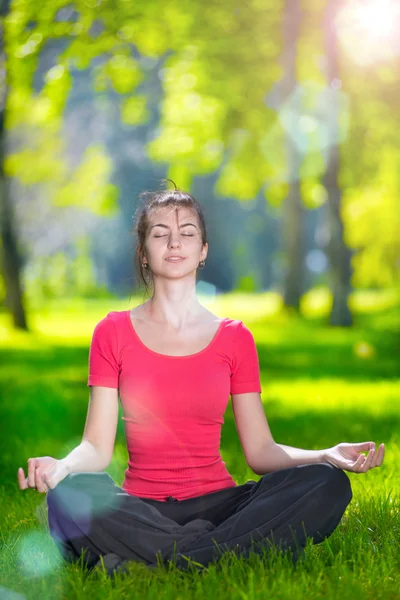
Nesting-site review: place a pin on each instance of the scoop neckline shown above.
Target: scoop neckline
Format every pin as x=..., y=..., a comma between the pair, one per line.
x=214, y=339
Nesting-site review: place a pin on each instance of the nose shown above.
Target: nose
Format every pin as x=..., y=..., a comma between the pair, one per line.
x=174, y=240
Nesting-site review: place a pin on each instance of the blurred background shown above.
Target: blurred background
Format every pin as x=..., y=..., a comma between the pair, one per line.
x=280, y=117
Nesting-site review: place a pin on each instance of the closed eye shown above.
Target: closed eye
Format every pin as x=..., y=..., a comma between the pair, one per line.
x=187, y=234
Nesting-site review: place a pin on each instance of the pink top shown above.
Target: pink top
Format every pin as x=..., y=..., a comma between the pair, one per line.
x=173, y=406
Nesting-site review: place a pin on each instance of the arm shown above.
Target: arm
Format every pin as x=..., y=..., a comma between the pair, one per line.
x=94, y=452
x=84, y=458
x=96, y=449
x=343, y=456
x=274, y=457
x=264, y=455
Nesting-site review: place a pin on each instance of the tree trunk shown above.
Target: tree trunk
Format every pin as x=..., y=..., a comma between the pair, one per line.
x=293, y=210
x=10, y=259
x=339, y=254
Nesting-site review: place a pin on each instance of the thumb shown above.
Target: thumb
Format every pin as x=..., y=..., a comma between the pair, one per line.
x=47, y=480
x=361, y=446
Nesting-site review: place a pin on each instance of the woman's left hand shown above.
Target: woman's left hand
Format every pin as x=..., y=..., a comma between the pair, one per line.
x=347, y=456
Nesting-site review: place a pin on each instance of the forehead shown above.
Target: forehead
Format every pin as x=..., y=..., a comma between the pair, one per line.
x=172, y=214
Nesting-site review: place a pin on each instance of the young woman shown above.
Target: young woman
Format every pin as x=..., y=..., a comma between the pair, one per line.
x=174, y=364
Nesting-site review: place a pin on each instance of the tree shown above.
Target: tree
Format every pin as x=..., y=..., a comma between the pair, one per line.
x=293, y=208
x=370, y=157
x=11, y=260
x=339, y=253
x=218, y=67
x=217, y=46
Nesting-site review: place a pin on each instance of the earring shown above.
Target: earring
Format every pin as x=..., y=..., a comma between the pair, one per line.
x=203, y=265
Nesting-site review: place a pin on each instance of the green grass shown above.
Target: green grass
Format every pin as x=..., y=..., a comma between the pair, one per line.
x=320, y=386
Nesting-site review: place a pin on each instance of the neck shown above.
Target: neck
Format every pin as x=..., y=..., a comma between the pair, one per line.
x=175, y=314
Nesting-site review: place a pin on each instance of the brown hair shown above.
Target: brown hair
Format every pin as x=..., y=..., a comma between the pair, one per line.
x=150, y=202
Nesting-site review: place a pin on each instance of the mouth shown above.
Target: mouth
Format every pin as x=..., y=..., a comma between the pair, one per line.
x=177, y=259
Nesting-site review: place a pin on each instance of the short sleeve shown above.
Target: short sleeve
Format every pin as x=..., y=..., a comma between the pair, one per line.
x=245, y=376
x=103, y=355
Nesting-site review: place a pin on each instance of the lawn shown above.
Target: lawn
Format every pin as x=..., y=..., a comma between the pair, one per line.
x=320, y=385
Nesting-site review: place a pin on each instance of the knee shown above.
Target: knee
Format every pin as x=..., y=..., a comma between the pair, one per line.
x=80, y=495
x=336, y=486
x=71, y=496
x=82, y=481
x=85, y=479
x=64, y=487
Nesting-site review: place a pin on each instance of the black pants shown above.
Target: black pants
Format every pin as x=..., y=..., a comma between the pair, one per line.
x=89, y=512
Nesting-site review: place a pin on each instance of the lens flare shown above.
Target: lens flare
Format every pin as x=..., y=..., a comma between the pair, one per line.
x=36, y=555
x=369, y=30
x=7, y=594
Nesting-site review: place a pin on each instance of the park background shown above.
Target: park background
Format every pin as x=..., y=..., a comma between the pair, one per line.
x=282, y=119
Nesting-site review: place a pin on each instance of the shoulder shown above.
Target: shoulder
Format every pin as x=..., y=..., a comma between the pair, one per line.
x=237, y=333
x=110, y=323
x=109, y=333
x=237, y=326
x=114, y=317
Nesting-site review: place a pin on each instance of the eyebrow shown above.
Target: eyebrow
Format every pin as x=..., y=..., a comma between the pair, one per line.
x=167, y=227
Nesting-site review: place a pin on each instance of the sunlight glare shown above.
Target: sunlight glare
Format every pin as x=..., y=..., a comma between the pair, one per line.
x=369, y=29
x=377, y=18
x=7, y=594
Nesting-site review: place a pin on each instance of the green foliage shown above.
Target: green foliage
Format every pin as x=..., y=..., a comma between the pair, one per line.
x=214, y=106
x=313, y=193
x=247, y=283
x=83, y=277
x=134, y=110
x=219, y=78
x=40, y=163
x=43, y=162
x=378, y=262
x=59, y=276
x=276, y=193
x=88, y=186
x=123, y=73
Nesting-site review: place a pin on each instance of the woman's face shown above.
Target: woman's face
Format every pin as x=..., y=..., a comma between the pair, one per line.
x=174, y=231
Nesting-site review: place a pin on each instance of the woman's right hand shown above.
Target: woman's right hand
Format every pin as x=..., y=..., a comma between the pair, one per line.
x=44, y=473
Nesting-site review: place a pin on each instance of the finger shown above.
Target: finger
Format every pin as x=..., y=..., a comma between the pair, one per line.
x=31, y=472
x=381, y=454
x=358, y=464
x=367, y=465
x=368, y=446
x=362, y=463
x=47, y=481
x=373, y=461
x=40, y=484
x=42, y=488
x=370, y=458
x=22, y=482
x=363, y=446
x=377, y=457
